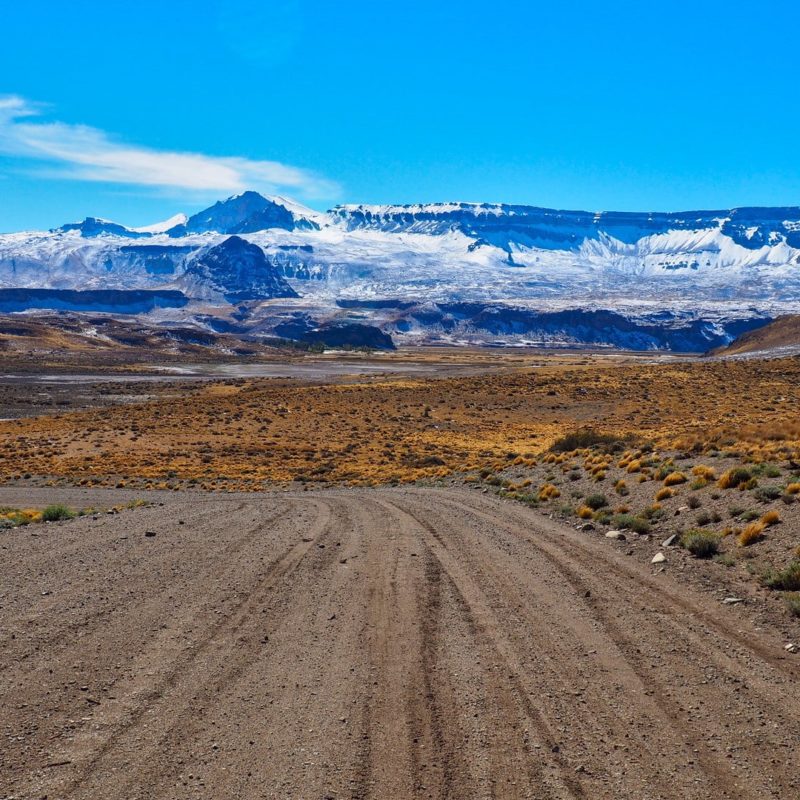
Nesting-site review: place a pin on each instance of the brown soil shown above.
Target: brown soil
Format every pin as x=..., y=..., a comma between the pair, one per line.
x=379, y=643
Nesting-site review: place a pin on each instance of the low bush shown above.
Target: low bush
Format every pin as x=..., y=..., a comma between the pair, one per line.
x=787, y=579
x=596, y=501
x=582, y=439
x=701, y=544
x=734, y=478
x=766, y=494
x=631, y=523
x=56, y=512
x=793, y=603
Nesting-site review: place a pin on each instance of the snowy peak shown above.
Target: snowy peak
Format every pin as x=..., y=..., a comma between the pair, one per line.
x=163, y=227
x=248, y=212
x=94, y=226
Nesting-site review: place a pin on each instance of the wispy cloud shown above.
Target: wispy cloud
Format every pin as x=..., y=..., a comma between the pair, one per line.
x=79, y=152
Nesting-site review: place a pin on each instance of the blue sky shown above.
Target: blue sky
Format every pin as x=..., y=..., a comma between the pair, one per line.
x=612, y=105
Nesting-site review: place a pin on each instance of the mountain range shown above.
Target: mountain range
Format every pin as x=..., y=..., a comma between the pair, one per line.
x=450, y=273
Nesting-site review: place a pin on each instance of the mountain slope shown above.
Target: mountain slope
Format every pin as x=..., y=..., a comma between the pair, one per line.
x=780, y=335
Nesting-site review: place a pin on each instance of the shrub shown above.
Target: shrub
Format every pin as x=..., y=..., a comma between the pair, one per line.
x=653, y=512
x=752, y=533
x=793, y=603
x=749, y=516
x=621, y=488
x=771, y=518
x=584, y=512
x=56, y=512
x=703, y=518
x=787, y=579
x=664, y=493
x=636, y=465
x=693, y=502
x=629, y=522
x=701, y=544
x=734, y=478
x=674, y=478
x=793, y=488
x=596, y=501
x=581, y=439
x=767, y=493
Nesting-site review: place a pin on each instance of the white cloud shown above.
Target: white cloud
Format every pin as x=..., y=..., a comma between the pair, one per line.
x=83, y=153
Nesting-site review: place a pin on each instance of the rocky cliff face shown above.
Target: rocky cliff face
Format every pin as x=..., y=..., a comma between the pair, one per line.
x=234, y=270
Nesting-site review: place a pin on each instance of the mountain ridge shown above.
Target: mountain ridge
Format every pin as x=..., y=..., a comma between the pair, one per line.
x=704, y=271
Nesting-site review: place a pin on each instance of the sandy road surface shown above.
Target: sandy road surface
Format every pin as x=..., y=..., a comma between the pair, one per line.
x=374, y=644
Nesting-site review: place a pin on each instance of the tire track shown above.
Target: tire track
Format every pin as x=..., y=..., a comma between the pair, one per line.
x=586, y=579
x=119, y=719
x=88, y=624
x=475, y=607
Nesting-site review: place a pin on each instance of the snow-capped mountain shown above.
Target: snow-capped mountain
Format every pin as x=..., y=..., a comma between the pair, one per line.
x=449, y=272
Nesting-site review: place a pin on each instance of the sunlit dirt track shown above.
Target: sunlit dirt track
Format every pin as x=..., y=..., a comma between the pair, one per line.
x=399, y=643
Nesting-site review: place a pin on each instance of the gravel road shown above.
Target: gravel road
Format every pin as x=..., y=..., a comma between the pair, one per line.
x=397, y=643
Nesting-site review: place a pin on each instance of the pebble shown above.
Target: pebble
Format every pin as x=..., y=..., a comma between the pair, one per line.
x=732, y=601
x=658, y=558
x=615, y=535
x=669, y=541
x=792, y=648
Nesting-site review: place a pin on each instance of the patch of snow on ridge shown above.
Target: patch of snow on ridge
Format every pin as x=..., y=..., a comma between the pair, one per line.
x=165, y=225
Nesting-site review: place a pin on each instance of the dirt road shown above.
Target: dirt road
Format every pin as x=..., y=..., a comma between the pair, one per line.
x=374, y=644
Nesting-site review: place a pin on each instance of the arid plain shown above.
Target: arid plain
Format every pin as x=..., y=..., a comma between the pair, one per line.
x=437, y=573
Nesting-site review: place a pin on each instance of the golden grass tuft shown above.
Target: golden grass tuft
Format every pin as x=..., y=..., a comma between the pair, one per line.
x=549, y=492
x=584, y=512
x=704, y=472
x=674, y=479
x=793, y=488
x=771, y=518
x=664, y=494
x=734, y=478
x=754, y=532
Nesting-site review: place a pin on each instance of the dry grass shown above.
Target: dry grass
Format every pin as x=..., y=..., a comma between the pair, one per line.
x=754, y=532
x=771, y=518
x=247, y=433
